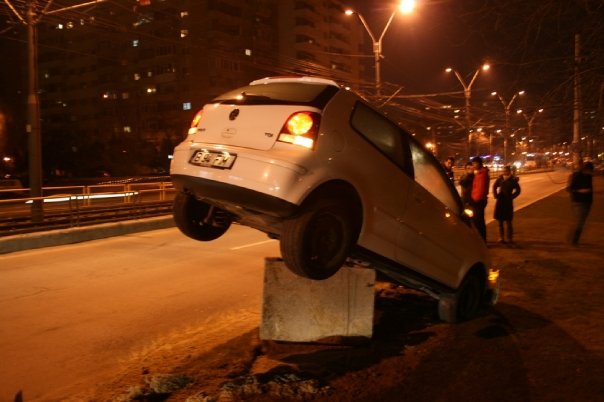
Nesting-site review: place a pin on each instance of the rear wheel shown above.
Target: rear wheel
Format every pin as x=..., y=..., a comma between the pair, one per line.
x=316, y=243
x=199, y=220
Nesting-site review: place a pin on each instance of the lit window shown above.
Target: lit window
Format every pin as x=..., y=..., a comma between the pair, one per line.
x=125, y=95
x=184, y=33
x=248, y=52
x=186, y=106
x=184, y=14
x=127, y=129
x=151, y=90
x=69, y=25
x=149, y=73
x=135, y=43
x=60, y=26
x=137, y=76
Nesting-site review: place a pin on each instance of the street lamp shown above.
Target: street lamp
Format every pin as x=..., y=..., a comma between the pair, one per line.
x=530, y=122
x=467, y=92
x=405, y=7
x=507, y=108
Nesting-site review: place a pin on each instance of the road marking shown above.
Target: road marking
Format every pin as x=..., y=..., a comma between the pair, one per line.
x=252, y=244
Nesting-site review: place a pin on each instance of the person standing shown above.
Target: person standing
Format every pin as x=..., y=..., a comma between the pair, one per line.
x=448, y=165
x=581, y=196
x=505, y=190
x=479, y=195
x=465, y=184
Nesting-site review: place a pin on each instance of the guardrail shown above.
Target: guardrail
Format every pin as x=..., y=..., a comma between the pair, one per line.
x=71, y=206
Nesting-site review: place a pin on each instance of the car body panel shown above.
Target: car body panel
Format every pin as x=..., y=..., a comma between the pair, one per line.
x=410, y=216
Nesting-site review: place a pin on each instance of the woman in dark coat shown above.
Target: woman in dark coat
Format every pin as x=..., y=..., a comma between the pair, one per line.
x=505, y=189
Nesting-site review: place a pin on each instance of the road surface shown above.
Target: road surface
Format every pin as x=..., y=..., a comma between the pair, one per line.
x=71, y=315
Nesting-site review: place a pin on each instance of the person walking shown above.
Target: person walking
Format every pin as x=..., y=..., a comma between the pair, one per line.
x=580, y=188
x=479, y=195
x=505, y=190
x=465, y=184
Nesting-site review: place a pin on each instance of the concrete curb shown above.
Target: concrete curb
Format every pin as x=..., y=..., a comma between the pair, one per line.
x=9, y=244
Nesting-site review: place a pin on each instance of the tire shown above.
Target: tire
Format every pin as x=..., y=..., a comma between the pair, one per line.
x=199, y=220
x=470, y=297
x=316, y=243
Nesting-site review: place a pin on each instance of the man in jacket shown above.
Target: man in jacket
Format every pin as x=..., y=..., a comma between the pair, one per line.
x=479, y=195
x=581, y=196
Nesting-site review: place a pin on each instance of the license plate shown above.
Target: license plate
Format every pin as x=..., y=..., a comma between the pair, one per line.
x=215, y=159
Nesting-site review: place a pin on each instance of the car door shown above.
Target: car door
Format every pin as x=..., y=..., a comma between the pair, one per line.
x=433, y=238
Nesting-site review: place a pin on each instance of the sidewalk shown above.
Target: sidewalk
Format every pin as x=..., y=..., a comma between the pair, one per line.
x=28, y=241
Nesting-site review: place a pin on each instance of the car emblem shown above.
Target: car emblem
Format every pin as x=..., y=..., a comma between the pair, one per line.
x=228, y=132
x=234, y=113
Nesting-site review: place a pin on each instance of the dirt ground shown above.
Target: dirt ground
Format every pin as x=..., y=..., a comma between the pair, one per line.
x=543, y=341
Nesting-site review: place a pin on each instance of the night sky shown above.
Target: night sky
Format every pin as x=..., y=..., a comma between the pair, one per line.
x=530, y=45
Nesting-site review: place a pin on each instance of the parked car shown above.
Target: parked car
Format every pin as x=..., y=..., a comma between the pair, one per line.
x=316, y=166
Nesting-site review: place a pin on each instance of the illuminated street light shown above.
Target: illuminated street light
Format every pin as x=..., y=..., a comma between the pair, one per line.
x=467, y=91
x=530, y=122
x=405, y=7
x=507, y=109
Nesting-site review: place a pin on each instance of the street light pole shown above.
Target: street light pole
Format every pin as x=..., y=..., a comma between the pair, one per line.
x=33, y=128
x=507, y=107
x=406, y=7
x=467, y=92
x=530, y=122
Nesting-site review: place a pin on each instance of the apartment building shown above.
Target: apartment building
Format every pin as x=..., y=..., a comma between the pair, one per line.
x=121, y=81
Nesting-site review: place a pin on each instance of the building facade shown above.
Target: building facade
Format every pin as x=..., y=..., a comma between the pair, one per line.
x=120, y=82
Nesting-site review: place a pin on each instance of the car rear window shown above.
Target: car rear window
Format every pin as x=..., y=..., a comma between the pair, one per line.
x=280, y=93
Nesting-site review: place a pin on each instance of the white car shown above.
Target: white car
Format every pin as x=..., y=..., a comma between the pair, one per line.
x=314, y=165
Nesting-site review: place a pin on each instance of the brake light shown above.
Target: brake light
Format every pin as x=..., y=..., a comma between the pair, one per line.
x=194, y=123
x=301, y=128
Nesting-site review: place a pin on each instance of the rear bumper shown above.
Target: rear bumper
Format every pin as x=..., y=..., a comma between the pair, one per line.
x=235, y=199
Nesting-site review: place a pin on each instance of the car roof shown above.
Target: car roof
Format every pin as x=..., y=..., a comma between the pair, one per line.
x=303, y=79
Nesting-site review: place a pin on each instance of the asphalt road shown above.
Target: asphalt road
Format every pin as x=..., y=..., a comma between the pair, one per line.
x=72, y=314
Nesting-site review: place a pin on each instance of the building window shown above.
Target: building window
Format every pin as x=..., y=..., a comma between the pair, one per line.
x=304, y=22
x=127, y=129
x=184, y=14
x=137, y=76
x=184, y=33
x=186, y=106
x=248, y=52
x=135, y=43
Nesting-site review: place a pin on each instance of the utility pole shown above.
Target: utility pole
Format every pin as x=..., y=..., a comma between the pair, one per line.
x=577, y=105
x=507, y=108
x=33, y=128
x=467, y=92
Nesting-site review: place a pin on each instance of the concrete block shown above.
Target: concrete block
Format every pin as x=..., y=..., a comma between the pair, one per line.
x=296, y=309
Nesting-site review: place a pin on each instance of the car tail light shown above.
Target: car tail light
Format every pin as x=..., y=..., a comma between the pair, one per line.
x=194, y=123
x=301, y=128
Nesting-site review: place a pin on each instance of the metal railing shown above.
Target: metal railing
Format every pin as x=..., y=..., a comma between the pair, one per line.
x=70, y=206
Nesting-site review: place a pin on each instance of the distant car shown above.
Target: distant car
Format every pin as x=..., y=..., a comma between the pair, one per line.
x=317, y=167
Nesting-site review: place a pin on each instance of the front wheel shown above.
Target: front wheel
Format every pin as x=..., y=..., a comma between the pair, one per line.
x=199, y=220
x=470, y=297
x=316, y=243
x=465, y=303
